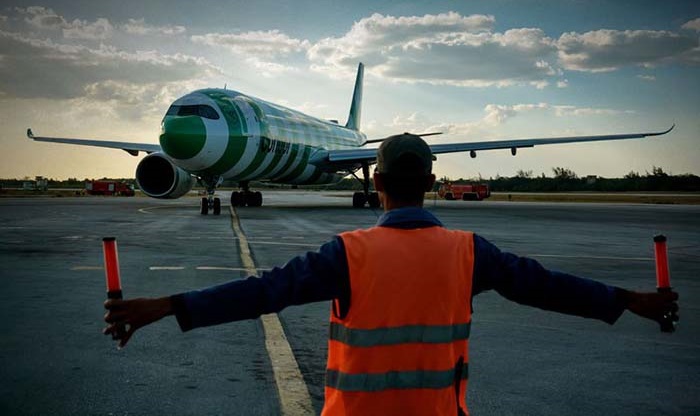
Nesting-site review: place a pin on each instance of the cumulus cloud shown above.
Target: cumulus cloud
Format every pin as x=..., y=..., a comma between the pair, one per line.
x=608, y=50
x=494, y=115
x=263, y=44
x=692, y=25
x=266, y=51
x=441, y=49
x=139, y=27
x=46, y=19
x=45, y=68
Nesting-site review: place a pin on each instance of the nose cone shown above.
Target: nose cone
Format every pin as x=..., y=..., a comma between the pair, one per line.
x=182, y=137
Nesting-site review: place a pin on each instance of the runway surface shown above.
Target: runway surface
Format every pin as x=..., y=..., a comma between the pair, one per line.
x=54, y=360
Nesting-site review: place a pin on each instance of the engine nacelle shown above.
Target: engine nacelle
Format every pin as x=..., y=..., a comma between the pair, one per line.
x=158, y=177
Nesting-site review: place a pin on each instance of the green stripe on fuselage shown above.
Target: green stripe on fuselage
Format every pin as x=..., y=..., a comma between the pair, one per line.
x=236, y=138
x=273, y=164
x=299, y=169
x=292, y=157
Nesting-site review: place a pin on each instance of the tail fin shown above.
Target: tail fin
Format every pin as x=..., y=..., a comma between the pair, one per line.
x=356, y=107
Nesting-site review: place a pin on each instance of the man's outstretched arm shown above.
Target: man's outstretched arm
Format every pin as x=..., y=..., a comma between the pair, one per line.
x=524, y=280
x=312, y=277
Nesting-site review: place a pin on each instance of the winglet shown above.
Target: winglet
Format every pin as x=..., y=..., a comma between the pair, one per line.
x=356, y=107
x=30, y=134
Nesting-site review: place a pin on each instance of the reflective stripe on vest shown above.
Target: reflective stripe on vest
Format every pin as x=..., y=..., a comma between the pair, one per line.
x=431, y=334
x=402, y=347
x=394, y=380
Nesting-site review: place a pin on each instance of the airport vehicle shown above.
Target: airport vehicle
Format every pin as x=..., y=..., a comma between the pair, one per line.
x=109, y=188
x=38, y=184
x=213, y=135
x=473, y=192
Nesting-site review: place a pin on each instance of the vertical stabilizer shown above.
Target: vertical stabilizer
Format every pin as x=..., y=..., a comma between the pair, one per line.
x=356, y=107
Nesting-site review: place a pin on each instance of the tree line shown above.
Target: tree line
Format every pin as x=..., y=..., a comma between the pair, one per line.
x=566, y=180
x=562, y=180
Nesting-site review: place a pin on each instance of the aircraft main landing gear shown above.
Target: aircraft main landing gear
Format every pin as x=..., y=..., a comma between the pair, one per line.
x=359, y=199
x=246, y=197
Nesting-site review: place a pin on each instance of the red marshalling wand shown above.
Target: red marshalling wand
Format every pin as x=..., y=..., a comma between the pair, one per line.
x=663, y=280
x=114, y=285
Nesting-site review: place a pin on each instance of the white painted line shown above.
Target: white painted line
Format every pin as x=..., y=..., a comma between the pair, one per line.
x=293, y=392
x=561, y=256
x=233, y=269
x=87, y=268
x=277, y=243
x=166, y=268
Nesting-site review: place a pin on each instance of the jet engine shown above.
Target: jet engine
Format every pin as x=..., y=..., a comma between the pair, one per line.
x=158, y=177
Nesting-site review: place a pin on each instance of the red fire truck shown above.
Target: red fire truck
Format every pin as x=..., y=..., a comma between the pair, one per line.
x=473, y=192
x=109, y=188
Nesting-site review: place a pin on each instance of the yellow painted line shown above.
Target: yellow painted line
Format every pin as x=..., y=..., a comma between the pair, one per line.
x=293, y=392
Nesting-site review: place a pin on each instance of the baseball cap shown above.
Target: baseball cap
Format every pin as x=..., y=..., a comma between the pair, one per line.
x=404, y=155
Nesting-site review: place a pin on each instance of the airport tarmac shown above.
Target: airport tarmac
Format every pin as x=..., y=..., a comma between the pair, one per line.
x=54, y=360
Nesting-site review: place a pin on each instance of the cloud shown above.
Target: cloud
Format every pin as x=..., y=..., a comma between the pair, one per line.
x=266, y=51
x=262, y=44
x=44, y=68
x=447, y=48
x=139, y=27
x=46, y=19
x=608, y=50
x=692, y=25
x=647, y=77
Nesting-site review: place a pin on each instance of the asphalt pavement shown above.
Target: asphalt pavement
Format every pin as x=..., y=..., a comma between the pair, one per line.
x=54, y=360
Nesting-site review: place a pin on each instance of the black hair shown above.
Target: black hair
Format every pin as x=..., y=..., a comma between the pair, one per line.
x=406, y=189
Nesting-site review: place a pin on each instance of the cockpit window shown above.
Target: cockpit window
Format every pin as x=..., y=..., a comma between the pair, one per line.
x=200, y=110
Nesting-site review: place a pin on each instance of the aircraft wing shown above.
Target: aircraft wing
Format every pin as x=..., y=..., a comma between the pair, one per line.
x=356, y=157
x=131, y=148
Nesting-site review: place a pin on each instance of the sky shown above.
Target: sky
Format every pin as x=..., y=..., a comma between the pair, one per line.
x=474, y=70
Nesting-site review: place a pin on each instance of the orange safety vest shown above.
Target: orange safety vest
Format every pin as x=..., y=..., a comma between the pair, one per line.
x=402, y=349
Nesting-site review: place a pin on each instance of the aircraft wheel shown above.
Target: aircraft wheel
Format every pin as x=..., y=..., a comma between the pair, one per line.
x=374, y=200
x=204, y=207
x=253, y=199
x=237, y=199
x=358, y=200
x=217, y=206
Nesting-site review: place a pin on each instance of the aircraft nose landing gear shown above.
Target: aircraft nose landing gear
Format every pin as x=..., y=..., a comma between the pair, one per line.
x=210, y=203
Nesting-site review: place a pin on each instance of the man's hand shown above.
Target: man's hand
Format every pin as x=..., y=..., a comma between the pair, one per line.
x=126, y=316
x=657, y=306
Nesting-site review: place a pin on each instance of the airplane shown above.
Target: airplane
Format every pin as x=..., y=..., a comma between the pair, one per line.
x=220, y=134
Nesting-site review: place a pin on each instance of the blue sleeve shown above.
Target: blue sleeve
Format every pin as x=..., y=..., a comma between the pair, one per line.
x=524, y=280
x=312, y=277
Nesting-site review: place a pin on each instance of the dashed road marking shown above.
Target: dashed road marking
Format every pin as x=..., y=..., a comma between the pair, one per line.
x=87, y=268
x=293, y=392
x=564, y=256
x=166, y=268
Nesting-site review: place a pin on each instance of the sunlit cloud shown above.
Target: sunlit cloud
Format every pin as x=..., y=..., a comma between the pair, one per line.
x=609, y=50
